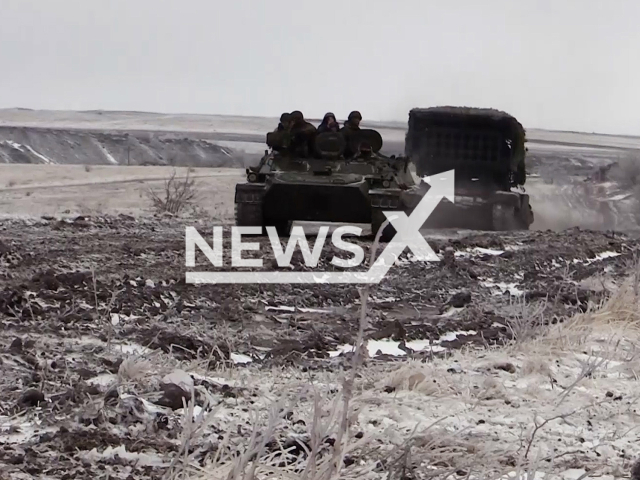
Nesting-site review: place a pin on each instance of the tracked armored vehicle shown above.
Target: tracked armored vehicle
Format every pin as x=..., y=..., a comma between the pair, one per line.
x=486, y=148
x=321, y=180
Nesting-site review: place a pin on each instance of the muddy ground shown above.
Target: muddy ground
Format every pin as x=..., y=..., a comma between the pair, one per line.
x=80, y=295
x=102, y=339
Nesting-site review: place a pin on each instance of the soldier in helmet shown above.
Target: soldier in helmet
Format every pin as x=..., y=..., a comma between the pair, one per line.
x=298, y=120
x=353, y=121
x=350, y=130
x=285, y=123
x=303, y=134
x=280, y=138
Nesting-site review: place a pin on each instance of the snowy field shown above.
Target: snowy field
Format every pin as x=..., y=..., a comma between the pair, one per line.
x=514, y=357
x=135, y=387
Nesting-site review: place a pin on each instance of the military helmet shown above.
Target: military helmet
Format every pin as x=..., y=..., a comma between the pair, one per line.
x=285, y=117
x=296, y=115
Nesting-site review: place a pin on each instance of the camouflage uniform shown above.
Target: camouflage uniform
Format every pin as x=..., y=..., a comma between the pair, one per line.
x=303, y=134
x=351, y=126
x=280, y=138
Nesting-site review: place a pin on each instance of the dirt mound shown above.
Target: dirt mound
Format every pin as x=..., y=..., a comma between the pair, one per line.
x=51, y=146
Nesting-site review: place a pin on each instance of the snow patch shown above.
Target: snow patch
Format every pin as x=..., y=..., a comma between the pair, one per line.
x=12, y=144
x=104, y=380
x=110, y=453
x=603, y=255
x=617, y=198
x=285, y=308
x=16, y=430
x=477, y=251
x=488, y=251
x=40, y=156
x=117, y=318
x=246, y=147
x=239, y=358
x=150, y=407
x=131, y=349
x=197, y=410
x=280, y=309
x=384, y=300
x=392, y=347
x=597, y=258
x=108, y=155
x=502, y=287
x=180, y=378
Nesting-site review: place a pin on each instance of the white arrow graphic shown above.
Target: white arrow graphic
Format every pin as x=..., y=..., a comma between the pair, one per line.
x=407, y=235
x=408, y=228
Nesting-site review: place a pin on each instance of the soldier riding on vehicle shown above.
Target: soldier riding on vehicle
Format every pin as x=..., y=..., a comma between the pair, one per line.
x=285, y=123
x=329, y=124
x=315, y=181
x=303, y=135
x=349, y=131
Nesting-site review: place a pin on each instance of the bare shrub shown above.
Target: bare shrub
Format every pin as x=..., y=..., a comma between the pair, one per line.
x=525, y=320
x=176, y=195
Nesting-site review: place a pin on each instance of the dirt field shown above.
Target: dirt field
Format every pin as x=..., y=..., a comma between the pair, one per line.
x=72, y=190
x=515, y=354
x=102, y=340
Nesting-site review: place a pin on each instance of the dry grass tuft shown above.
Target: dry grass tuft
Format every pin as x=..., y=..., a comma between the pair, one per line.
x=618, y=315
x=263, y=455
x=429, y=426
x=437, y=448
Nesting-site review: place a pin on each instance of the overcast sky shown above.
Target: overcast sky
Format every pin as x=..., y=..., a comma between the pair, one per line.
x=559, y=64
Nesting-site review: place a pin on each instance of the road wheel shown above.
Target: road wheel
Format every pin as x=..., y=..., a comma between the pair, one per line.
x=504, y=218
x=525, y=217
x=377, y=219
